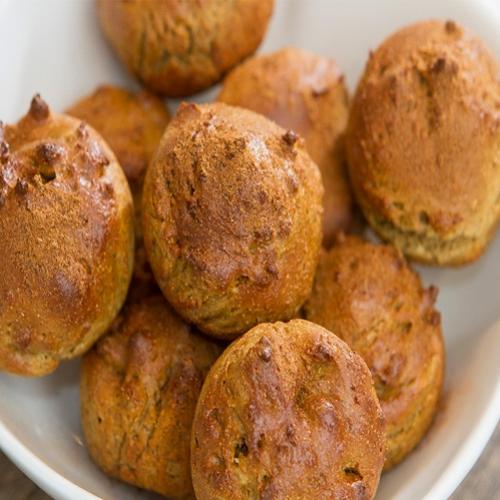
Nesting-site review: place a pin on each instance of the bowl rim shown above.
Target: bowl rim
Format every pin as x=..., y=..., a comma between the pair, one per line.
x=482, y=429
x=47, y=478
x=457, y=469
x=469, y=452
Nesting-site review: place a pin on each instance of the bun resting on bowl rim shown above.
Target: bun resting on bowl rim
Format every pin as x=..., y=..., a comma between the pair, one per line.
x=67, y=244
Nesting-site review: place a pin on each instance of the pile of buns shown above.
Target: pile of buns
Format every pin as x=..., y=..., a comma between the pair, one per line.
x=240, y=339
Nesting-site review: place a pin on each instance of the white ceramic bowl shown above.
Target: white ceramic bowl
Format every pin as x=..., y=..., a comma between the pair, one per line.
x=55, y=47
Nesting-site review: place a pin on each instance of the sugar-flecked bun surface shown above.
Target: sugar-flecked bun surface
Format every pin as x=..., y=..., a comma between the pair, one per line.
x=232, y=218
x=287, y=411
x=66, y=220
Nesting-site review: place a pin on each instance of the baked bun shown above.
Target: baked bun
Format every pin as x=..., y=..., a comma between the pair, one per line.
x=232, y=218
x=179, y=48
x=372, y=300
x=132, y=124
x=67, y=240
x=305, y=92
x=287, y=411
x=139, y=387
x=423, y=142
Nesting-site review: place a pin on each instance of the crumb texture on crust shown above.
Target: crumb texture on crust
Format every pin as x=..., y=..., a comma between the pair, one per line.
x=369, y=296
x=66, y=225
x=423, y=142
x=287, y=411
x=232, y=218
x=179, y=48
x=139, y=388
x=305, y=92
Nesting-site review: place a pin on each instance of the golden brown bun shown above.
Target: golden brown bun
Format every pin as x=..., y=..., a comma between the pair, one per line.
x=67, y=240
x=423, y=142
x=305, y=92
x=132, y=124
x=368, y=296
x=139, y=387
x=179, y=48
x=232, y=218
x=288, y=411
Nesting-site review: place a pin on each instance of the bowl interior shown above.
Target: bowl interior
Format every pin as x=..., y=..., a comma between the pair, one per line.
x=56, y=48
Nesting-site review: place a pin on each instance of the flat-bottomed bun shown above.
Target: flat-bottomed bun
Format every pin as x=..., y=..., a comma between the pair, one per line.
x=423, y=142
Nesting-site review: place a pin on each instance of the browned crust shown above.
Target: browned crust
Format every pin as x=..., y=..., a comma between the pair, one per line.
x=288, y=411
x=232, y=218
x=67, y=240
x=305, y=92
x=131, y=123
x=423, y=142
x=369, y=296
x=138, y=390
x=179, y=48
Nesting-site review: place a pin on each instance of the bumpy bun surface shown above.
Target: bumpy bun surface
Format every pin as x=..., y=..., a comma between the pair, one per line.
x=179, y=48
x=423, y=142
x=287, y=411
x=67, y=240
x=304, y=92
x=132, y=125
x=370, y=298
x=139, y=388
x=232, y=218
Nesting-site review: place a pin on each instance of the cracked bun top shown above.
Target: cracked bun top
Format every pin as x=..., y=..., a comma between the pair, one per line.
x=423, y=142
x=287, y=411
x=369, y=296
x=179, y=48
x=66, y=220
x=139, y=388
x=304, y=92
x=232, y=218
